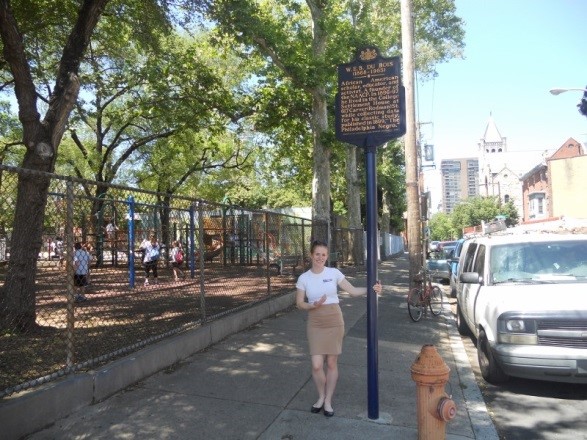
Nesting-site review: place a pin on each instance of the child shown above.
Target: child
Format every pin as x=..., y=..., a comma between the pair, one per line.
x=177, y=260
x=81, y=265
x=152, y=252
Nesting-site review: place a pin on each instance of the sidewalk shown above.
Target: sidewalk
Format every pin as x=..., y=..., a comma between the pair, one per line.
x=257, y=384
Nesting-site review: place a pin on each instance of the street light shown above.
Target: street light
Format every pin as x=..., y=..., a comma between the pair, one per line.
x=582, y=105
x=561, y=90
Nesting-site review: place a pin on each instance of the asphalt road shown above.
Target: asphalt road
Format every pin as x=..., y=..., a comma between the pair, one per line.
x=529, y=409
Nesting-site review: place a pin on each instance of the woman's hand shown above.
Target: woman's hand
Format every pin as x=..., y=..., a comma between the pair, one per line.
x=319, y=302
x=378, y=288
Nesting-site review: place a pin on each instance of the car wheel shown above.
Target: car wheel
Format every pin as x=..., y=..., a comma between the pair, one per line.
x=490, y=370
x=462, y=327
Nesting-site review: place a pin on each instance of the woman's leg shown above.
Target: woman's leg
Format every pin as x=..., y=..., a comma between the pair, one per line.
x=147, y=270
x=155, y=271
x=331, y=379
x=319, y=378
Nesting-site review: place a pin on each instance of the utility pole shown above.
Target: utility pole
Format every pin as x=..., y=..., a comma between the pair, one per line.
x=411, y=149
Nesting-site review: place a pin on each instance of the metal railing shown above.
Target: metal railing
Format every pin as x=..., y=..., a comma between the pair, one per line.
x=233, y=258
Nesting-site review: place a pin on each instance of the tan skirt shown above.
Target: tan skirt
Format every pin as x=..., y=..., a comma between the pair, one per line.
x=325, y=330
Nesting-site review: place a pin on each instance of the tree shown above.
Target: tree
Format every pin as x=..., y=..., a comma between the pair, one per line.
x=473, y=211
x=583, y=104
x=41, y=139
x=62, y=31
x=441, y=227
x=304, y=41
x=174, y=98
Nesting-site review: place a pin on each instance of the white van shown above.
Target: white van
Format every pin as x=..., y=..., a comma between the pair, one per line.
x=524, y=298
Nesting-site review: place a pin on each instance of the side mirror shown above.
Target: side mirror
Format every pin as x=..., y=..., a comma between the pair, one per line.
x=471, y=278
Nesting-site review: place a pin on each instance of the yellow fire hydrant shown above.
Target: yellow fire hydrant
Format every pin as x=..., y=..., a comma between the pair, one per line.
x=435, y=407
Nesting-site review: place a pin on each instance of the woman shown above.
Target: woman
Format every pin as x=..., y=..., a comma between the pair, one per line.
x=325, y=327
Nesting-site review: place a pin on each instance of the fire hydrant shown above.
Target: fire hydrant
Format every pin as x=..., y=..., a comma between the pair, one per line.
x=435, y=407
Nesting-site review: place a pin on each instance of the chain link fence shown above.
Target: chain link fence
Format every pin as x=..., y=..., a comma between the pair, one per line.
x=98, y=294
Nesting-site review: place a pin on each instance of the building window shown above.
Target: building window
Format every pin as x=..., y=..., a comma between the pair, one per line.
x=536, y=205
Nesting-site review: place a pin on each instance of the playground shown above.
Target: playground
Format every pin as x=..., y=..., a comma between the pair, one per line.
x=117, y=319
x=233, y=258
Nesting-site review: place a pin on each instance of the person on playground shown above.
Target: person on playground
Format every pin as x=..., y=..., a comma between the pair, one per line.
x=81, y=266
x=152, y=251
x=176, y=255
x=325, y=324
x=59, y=251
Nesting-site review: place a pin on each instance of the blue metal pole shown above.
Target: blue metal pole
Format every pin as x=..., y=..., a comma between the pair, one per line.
x=372, y=242
x=131, y=241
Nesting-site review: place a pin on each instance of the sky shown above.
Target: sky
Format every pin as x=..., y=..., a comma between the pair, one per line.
x=515, y=52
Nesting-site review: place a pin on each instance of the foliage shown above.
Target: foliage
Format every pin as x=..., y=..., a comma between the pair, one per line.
x=296, y=75
x=583, y=104
x=391, y=176
x=470, y=212
x=441, y=227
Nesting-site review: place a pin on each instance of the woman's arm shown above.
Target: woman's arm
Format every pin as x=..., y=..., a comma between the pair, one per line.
x=358, y=291
x=303, y=305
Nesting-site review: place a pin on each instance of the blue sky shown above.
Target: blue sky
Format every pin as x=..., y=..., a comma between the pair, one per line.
x=516, y=51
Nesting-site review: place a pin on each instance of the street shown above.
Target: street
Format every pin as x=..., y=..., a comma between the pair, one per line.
x=529, y=409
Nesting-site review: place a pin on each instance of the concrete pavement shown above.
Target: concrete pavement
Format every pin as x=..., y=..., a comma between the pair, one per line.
x=256, y=384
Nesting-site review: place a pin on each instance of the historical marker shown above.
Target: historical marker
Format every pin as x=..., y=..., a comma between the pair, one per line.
x=370, y=110
x=370, y=104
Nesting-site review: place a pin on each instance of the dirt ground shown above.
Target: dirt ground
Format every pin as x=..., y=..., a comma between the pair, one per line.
x=117, y=318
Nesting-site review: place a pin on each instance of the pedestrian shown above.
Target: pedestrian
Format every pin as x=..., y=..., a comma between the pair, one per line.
x=176, y=256
x=317, y=292
x=152, y=251
x=81, y=265
x=111, y=230
x=59, y=251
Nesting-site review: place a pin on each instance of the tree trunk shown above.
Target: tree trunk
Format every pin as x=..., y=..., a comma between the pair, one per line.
x=321, y=179
x=354, y=207
x=41, y=139
x=17, y=298
x=321, y=158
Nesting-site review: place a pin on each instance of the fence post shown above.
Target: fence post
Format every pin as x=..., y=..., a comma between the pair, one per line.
x=131, y=241
x=201, y=260
x=69, y=240
x=266, y=250
x=192, y=240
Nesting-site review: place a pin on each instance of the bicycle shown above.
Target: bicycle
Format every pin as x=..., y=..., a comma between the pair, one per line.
x=427, y=295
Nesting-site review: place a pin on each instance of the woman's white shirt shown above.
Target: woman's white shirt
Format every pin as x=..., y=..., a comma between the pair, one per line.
x=317, y=284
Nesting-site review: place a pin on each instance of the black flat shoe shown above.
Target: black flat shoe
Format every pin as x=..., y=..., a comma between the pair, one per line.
x=315, y=410
x=328, y=413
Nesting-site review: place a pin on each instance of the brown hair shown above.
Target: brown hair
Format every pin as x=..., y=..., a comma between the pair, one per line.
x=317, y=243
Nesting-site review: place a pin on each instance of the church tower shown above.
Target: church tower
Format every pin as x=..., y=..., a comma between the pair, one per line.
x=492, y=142
x=497, y=176
x=492, y=147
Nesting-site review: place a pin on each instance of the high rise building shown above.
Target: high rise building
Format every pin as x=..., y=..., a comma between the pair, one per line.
x=460, y=180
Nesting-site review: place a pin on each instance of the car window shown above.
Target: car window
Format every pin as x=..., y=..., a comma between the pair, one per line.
x=479, y=264
x=538, y=261
x=468, y=263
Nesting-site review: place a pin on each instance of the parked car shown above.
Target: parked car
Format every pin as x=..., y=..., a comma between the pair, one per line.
x=437, y=265
x=447, y=245
x=524, y=298
x=453, y=266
